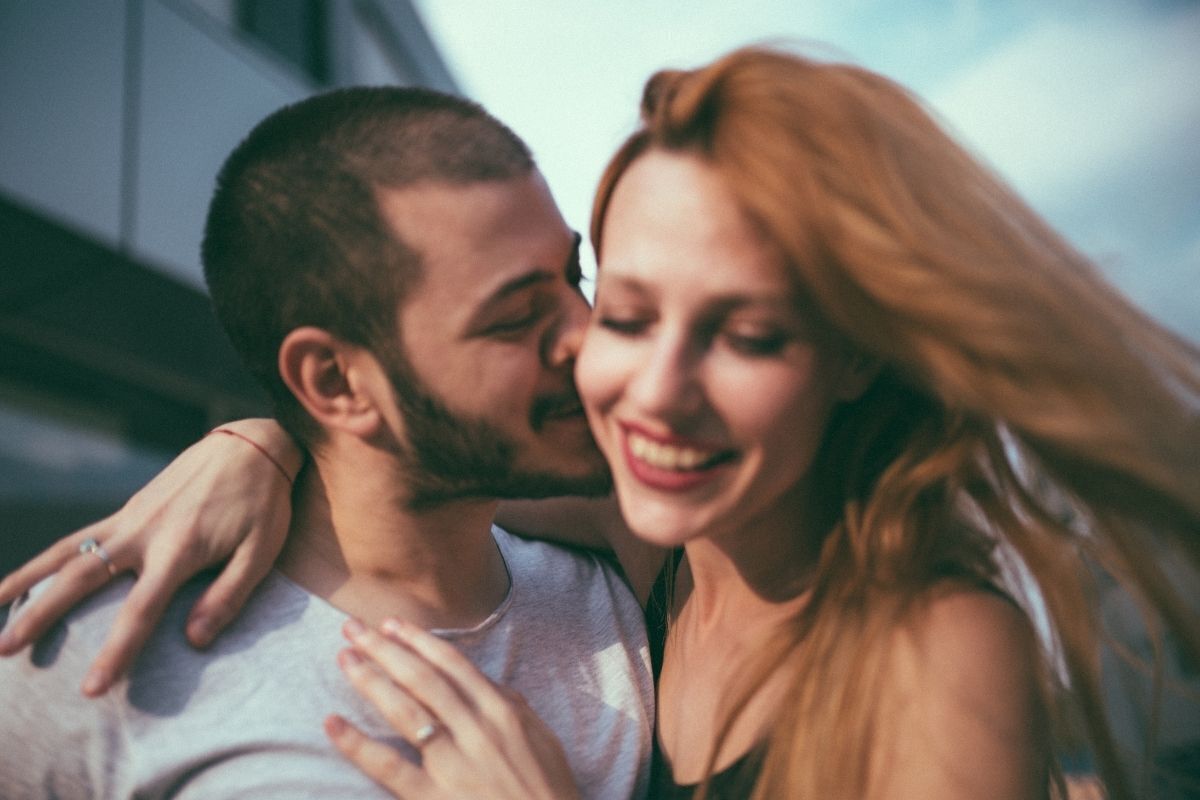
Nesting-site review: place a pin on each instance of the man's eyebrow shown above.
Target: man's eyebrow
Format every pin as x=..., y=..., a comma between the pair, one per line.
x=535, y=276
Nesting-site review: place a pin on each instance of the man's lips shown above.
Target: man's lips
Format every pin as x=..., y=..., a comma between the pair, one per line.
x=556, y=407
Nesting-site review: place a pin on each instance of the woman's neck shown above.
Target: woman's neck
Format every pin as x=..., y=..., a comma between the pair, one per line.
x=752, y=573
x=731, y=596
x=735, y=600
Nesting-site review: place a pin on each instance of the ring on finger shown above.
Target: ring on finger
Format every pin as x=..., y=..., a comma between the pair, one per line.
x=90, y=546
x=425, y=734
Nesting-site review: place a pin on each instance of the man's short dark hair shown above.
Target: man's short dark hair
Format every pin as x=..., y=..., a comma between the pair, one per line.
x=294, y=234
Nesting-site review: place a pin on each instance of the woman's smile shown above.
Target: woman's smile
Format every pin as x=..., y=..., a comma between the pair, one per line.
x=672, y=463
x=704, y=384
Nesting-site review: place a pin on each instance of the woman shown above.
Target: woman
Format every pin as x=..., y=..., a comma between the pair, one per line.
x=852, y=376
x=868, y=348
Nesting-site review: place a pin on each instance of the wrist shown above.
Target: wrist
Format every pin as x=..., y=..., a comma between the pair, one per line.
x=271, y=441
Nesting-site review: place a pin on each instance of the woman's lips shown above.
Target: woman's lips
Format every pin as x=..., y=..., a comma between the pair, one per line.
x=672, y=465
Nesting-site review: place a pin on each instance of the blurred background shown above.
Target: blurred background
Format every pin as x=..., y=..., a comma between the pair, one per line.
x=116, y=114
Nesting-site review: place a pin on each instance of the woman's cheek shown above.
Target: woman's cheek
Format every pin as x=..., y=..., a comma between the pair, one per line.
x=598, y=370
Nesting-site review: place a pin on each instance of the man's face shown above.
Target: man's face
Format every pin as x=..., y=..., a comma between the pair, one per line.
x=484, y=380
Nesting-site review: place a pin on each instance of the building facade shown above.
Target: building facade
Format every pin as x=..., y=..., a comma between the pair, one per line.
x=115, y=116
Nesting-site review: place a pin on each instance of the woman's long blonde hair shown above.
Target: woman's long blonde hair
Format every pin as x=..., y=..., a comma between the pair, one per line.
x=1021, y=400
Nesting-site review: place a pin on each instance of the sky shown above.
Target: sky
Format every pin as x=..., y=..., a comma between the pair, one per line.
x=1090, y=108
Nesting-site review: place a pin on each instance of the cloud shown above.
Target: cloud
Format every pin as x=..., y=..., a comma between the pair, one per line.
x=1066, y=104
x=1094, y=121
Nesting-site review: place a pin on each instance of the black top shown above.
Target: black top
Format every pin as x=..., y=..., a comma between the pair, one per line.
x=736, y=780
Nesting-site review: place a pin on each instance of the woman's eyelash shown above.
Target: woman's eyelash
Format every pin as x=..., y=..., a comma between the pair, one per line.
x=621, y=325
x=757, y=345
x=765, y=344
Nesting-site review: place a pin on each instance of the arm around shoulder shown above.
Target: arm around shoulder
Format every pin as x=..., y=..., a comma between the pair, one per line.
x=269, y=438
x=590, y=522
x=220, y=501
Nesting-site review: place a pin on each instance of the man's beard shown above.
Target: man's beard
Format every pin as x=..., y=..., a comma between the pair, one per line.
x=450, y=457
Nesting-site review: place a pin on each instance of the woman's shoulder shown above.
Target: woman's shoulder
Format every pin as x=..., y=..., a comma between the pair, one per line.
x=962, y=707
x=962, y=634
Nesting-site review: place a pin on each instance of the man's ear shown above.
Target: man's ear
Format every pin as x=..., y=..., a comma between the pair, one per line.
x=858, y=373
x=330, y=379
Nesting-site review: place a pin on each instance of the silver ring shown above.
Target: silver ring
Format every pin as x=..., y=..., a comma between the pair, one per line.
x=425, y=733
x=92, y=547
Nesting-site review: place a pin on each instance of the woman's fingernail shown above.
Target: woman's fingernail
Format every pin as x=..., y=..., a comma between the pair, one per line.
x=353, y=628
x=6, y=642
x=395, y=627
x=349, y=659
x=201, y=629
x=334, y=725
x=94, y=683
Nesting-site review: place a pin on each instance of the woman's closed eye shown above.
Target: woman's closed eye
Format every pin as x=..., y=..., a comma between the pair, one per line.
x=757, y=344
x=624, y=325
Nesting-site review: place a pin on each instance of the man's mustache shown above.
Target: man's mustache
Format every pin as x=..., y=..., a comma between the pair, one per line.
x=554, y=406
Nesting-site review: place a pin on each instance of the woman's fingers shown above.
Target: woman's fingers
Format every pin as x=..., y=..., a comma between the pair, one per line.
x=224, y=599
x=450, y=662
x=78, y=576
x=219, y=497
x=47, y=562
x=403, y=713
x=169, y=562
x=413, y=673
x=383, y=764
x=138, y=616
x=476, y=739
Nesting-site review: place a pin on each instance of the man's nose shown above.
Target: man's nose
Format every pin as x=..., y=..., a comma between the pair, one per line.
x=563, y=339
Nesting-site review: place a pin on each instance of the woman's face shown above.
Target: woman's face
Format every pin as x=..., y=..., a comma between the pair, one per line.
x=700, y=376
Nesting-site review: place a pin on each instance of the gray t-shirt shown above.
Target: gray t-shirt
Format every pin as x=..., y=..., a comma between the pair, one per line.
x=244, y=718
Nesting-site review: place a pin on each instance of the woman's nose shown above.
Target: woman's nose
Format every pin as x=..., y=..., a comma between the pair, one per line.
x=668, y=383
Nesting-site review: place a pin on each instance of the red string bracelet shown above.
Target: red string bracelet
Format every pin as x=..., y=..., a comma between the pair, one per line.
x=260, y=449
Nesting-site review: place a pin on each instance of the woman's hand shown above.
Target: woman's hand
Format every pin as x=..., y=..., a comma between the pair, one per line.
x=476, y=739
x=222, y=498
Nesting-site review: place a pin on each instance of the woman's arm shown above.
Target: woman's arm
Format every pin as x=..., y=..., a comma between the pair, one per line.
x=593, y=523
x=223, y=499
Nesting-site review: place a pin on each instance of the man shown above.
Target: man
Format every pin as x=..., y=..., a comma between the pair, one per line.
x=390, y=264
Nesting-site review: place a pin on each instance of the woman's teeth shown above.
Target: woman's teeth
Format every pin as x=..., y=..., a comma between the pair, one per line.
x=666, y=456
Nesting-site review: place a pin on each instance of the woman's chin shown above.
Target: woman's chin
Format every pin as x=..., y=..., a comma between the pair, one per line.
x=661, y=524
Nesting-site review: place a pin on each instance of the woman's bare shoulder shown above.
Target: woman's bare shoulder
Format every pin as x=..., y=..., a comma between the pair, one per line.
x=962, y=710
x=960, y=626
